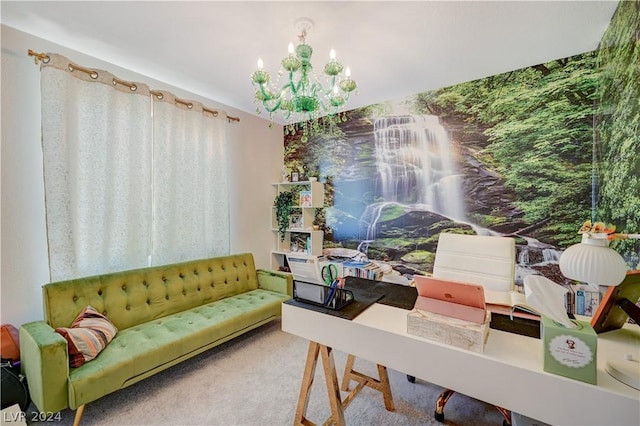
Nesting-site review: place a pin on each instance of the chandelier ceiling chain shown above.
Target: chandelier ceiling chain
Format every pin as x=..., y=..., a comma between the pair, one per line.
x=304, y=99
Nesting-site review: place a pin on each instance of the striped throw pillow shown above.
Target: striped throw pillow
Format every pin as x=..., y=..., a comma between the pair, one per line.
x=88, y=335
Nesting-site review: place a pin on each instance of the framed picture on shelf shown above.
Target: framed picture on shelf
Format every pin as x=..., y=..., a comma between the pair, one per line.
x=296, y=221
x=305, y=198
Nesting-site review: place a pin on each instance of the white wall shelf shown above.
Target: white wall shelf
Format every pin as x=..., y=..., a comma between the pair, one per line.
x=303, y=227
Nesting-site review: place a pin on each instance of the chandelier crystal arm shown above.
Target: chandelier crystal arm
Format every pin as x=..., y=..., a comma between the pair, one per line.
x=315, y=88
x=292, y=85
x=266, y=97
x=275, y=107
x=329, y=90
x=304, y=87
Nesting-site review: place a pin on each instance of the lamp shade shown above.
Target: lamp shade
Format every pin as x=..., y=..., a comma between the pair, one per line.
x=593, y=262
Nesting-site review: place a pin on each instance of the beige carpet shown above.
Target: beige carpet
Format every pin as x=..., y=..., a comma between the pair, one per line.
x=255, y=380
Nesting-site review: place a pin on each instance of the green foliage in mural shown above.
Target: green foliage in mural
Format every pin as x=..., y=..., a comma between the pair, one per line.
x=538, y=127
x=319, y=155
x=619, y=126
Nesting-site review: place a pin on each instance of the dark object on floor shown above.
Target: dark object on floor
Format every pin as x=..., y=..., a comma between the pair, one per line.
x=14, y=386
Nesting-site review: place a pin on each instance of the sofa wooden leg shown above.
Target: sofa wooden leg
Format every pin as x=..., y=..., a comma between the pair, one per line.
x=78, y=417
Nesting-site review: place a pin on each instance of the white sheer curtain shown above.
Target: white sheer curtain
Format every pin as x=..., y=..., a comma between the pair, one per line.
x=128, y=180
x=190, y=196
x=96, y=139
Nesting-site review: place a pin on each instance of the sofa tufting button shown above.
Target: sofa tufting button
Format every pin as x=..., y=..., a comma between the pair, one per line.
x=167, y=297
x=75, y=298
x=148, y=301
x=128, y=308
x=100, y=292
x=124, y=287
x=195, y=272
x=210, y=270
x=184, y=293
x=163, y=279
x=181, y=275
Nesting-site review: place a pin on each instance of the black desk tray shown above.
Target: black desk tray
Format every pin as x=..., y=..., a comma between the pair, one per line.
x=321, y=295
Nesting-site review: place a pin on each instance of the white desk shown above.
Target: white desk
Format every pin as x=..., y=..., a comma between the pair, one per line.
x=508, y=374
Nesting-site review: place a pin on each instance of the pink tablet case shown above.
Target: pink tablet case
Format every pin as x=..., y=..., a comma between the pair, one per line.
x=451, y=298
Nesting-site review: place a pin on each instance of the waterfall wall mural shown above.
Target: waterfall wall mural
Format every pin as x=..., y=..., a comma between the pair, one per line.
x=510, y=155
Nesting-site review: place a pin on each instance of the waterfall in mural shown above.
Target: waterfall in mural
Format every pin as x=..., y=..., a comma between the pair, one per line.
x=416, y=167
x=415, y=164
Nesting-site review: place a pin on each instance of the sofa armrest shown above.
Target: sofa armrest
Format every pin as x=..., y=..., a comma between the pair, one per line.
x=45, y=361
x=280, y=282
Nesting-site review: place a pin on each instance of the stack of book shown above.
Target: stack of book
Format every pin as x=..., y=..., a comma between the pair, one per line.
x=364, y=269
x=587, y=299
x=582, y=299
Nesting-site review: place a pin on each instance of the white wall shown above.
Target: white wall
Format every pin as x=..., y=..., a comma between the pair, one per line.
x=256, y=156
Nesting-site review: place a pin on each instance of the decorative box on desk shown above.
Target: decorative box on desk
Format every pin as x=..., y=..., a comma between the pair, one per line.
x=452, y=331
x=570, y=352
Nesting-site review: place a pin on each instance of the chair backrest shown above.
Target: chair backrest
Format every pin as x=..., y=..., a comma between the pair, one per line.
x=477, y=259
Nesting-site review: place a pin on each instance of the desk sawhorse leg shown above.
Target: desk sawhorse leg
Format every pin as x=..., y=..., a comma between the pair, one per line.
x=381, y=385
x=333, y=389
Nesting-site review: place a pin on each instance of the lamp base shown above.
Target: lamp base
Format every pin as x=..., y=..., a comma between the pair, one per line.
x=625, y=370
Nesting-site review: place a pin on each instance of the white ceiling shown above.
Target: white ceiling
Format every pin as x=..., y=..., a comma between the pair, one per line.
x=393, y=48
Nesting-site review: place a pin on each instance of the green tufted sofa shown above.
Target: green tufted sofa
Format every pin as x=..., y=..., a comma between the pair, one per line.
x=164, y=315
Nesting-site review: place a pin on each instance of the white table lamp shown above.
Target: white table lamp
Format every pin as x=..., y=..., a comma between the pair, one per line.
x=593, y=262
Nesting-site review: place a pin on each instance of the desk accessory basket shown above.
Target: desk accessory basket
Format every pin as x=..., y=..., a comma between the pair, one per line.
x=321, y=295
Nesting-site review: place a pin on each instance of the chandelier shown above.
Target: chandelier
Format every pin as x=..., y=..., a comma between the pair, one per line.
x=303, y=99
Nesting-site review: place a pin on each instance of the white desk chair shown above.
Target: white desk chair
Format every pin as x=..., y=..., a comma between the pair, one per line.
x=476, y=259
x=484, y=260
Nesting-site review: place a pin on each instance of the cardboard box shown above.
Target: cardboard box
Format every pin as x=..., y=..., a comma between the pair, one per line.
x=570, y=352
x=452, y=331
